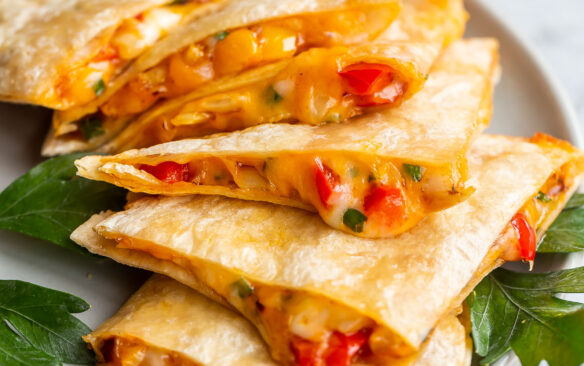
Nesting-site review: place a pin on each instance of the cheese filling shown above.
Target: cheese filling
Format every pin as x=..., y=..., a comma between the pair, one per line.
x=311, y=90
x=225, y=53
x=291, y=320
x=85, y=82
x=122, y=351
x=538, y=212
x=370, y=197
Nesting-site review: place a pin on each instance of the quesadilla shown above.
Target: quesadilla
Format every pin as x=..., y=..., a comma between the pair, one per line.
x=301, y=283
x=318, y=86
x=64, y=53
x=197, y=331
x=374, y=176
x=236, y=36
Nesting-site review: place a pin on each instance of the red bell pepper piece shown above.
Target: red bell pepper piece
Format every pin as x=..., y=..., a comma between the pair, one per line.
x=365, y=78
x=306, y=353
x=385, y=205
x=327, y=181
x=525, y=235
x=343, y=348
x=388, y=95
x=169, y=171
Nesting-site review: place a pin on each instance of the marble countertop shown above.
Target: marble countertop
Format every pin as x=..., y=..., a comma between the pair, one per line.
x=557, y=34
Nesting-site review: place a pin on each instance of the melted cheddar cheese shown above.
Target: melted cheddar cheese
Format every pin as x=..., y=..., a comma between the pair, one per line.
x=370, y=197
x=119, y=351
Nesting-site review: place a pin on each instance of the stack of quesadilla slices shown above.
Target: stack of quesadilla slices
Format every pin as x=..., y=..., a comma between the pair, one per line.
x=312, y=183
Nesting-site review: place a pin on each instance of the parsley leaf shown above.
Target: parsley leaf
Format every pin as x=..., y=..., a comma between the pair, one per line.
x=99, y=87
x=414, y=171
x=354, y=220
x=37, y=328
x=91, y=127
x=50, y=201
x=566, y=234
x=520, y=312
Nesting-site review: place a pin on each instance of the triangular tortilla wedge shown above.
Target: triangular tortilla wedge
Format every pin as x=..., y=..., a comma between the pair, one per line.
x=319, y=23
x=296, y=279
x=414, y=156
x=45, y=45
x=167, y=320
x=313, y=87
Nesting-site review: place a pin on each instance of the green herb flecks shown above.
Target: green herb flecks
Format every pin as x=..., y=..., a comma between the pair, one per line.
x=91, y=127
x=543, y=197
x=520, y=312
x=50, y=201
x=99, y=87
x=243, y=288
x=37, y=328
x=221, y=35
x=354, y=172
x=566, y=233
x=354, y=220
x=272, y=96
x=414, y=171
x=333, y=117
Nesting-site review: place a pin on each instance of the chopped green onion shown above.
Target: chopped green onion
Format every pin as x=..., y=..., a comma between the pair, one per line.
x=221, y=35
x=273, y=96
x=354, y=172
x=218, y=176
x=354, y=220
x=99, y=87
x=543, y=197
x=243, y=288
x=414, y=171
x=91, y=127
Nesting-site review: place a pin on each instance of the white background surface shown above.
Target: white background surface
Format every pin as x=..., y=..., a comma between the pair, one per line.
x=556, y=30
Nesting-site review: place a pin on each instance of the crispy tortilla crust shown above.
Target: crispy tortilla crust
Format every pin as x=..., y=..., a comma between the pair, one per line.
x=35, y=51
x=437, y=259
x=196, y=329
x=433, y=128
x=419, y=32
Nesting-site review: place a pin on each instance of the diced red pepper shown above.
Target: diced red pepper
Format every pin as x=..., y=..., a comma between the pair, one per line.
x=365, y=78
x=106, y=53
x=343, y=348
x=327, y=181
x=306, y=353
x=385, y=205
x=388, y=95
x=525, y=235
x=169, y=171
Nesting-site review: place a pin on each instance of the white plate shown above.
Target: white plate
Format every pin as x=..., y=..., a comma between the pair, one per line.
x=527, y=100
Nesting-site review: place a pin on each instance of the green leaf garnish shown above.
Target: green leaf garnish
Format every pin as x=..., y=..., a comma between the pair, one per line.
x=520, y=312
x=354, y=220
x=543, y=197
x=221, y=35
x=50, y=201
x=566, y=234
x=91, y=127
x=272, y=96
x=243, y=287
x=99, y=87
x=414, y=171
x=37, y=328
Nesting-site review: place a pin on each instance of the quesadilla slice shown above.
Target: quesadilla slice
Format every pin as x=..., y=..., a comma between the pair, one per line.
x=238, y=35
x=61, y=54
x=303, y=284
x=321, y=85
x=196, y=331
x=375, y=176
